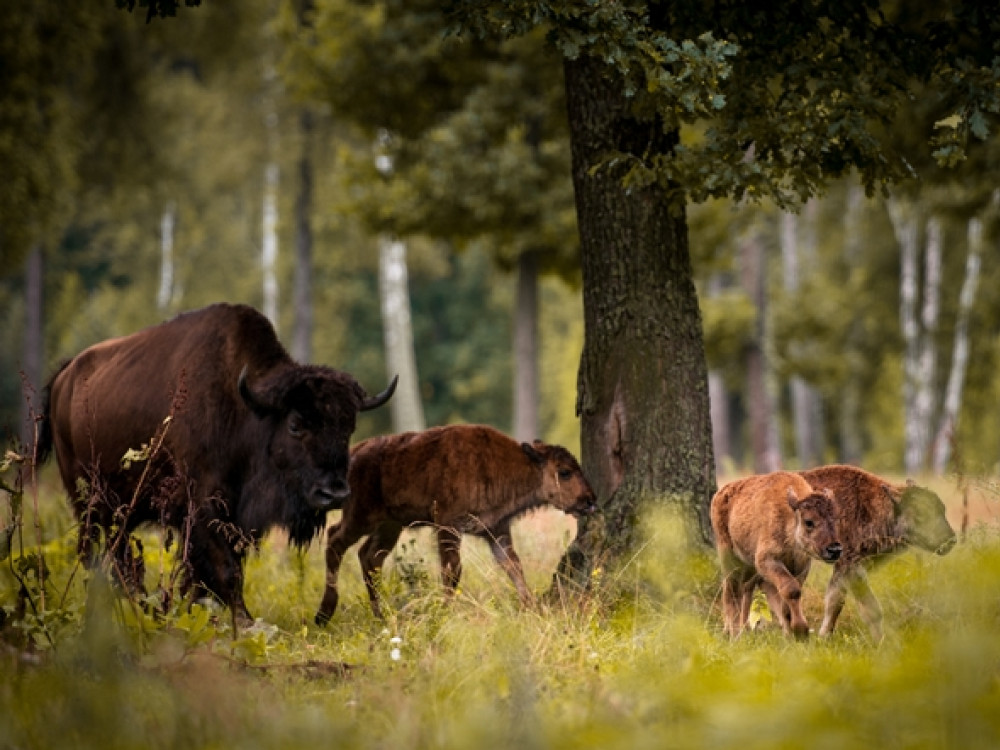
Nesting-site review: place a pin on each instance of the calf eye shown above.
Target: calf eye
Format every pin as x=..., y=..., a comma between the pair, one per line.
x=565, y=474
x=809, y=524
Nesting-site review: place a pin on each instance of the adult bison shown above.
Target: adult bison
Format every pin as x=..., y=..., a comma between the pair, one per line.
x=768, y=529
x=469, y=479
x=875, y=518
x=239, y=438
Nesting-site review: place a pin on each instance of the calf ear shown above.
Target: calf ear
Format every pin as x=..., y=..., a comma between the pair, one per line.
x=531, y=453
x=828, y=494
x=793, y=500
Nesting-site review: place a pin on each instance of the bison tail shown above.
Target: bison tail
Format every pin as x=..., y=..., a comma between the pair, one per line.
x=43, y=446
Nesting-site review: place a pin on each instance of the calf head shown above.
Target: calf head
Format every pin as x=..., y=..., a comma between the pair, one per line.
x=921, y=520
x=310, y=413
x=815, y=524
x=562, y=483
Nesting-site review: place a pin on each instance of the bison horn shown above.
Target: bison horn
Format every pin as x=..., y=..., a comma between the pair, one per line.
x=373, y=402
x=256, y=405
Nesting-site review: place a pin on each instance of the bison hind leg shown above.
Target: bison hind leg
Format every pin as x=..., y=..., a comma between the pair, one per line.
x=372, y=556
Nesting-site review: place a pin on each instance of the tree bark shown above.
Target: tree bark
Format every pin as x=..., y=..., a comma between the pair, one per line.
x=760, y=392
x=526, y=349
x=167, y=223
x=33, y=346
x=944, y=439
x=406, y=408
x=642, y=392
x=302, y=289
x=850, y=447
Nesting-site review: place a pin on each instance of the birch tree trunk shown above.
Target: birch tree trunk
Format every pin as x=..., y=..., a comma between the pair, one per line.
x=944, y=439
x=761, y=399
x=718, y=398
x=405, y=406
x=165, y=293
x=804, y=398
x=920, y=354
x=269, y=248
x=33, y=346
x=526, y=349
x=302, y=289
x=850, y=448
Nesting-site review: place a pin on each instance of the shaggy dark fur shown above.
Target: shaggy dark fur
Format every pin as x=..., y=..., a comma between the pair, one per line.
x=253, y=440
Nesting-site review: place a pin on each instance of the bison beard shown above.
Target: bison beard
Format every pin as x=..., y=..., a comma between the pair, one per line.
x=254, y=440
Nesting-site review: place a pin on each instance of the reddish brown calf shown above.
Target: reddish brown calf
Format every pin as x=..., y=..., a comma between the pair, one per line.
x=768, y=528
x=461, y=479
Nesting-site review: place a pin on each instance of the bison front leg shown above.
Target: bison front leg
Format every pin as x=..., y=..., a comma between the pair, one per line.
x=339, y=539
x=372, y=555
x=449, y=546
x=215, y=566
x=502, y=548
x=855, y=578
x=784, y=594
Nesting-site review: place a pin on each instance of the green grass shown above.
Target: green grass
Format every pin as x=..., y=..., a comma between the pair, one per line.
x=641, y=663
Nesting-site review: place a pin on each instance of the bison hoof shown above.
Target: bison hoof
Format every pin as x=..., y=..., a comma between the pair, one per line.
x=322, y=618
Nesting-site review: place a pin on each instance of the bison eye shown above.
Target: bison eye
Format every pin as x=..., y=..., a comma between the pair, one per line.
x=565, y=474
x=809, y=524
x=295, y=425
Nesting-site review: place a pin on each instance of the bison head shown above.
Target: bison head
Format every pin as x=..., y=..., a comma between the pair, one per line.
x=815, y=524
x=921, y=519
x=563, y=483
x=311, y=412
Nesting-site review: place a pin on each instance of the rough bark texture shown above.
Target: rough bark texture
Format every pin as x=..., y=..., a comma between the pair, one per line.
x=643, y=384
x=526, y=349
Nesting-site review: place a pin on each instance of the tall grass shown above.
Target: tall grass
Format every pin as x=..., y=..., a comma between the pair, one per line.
x=640, y=663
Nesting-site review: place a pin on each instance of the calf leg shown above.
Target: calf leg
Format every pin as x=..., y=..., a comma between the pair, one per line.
x=449, y=545
x=784, y=593
x=735, y=598
x=339, y=539
x=855, y=578
x=502, y=548
x=372, y=554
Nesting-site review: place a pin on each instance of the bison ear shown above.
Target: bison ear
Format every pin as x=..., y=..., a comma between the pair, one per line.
x=793, y=499
x=256, y=405
x=910, y=483
x=828, y=494
x=531, y=453
x=373, y=402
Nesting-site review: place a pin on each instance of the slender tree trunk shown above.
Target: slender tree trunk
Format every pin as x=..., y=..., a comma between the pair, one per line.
x=526, y=349
x=805, y=400
x=761, y=400
x=269, y=252
x=643, y=384
x=302, y=290
x=960, y=355
x=926, y=396
x=850, y=448
x=406, y=408
x=33, y=346
x=167, y=224
x=718, y=394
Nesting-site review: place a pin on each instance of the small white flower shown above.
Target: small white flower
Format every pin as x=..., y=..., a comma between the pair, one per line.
x=395, y=654
x=395, y=640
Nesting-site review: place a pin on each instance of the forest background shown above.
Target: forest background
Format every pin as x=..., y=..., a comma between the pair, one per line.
x=226, y=155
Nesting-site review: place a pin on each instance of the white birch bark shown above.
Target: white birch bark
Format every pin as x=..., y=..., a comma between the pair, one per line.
x=405, y=406
x=850, y=448
x=804, y=398
x=904, y=223
x=269, y=246
x=526, y=350
x=165, y=294
x=960, y=354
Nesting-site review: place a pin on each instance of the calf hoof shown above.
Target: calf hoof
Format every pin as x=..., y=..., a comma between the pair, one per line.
x=800, y=631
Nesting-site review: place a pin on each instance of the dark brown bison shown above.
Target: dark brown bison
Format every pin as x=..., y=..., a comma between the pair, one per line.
x=768, y=528
x=460, y=479
x=875, y=518
x=240, y=438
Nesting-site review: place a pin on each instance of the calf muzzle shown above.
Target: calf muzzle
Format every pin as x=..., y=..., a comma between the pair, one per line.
x=832, y=552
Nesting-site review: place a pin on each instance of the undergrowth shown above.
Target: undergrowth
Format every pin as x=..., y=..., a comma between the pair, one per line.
x=641, y=662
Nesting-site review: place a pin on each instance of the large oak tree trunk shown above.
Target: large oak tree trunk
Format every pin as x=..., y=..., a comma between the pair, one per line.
x=643, y=382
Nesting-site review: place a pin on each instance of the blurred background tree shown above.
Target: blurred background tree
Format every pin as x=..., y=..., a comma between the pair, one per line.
x=138, y=157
